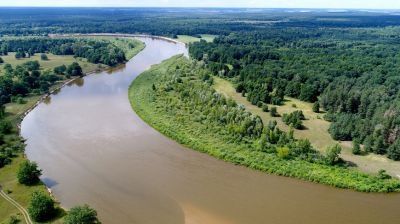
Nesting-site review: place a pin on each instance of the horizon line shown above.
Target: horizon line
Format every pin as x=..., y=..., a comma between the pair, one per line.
x=199, y=7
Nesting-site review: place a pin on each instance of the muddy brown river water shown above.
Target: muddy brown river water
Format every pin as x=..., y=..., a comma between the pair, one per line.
x=94, y=149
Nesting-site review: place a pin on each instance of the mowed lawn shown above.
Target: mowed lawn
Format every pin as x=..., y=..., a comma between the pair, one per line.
x=190, y=39
x=54, y=61
x=316, y=129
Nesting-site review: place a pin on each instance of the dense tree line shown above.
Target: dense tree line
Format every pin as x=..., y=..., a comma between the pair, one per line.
x=353, y=74
x=95, y=51
x=168, y=22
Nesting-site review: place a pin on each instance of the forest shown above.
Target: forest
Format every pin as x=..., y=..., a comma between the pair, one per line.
x=177, y=98
x=175, y=21
x=96, y=51
x=351, y=74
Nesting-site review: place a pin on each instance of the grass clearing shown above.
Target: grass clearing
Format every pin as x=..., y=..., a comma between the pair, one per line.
x=316, y=129
x=19, y=192
x=54, y=61
x=190, y=39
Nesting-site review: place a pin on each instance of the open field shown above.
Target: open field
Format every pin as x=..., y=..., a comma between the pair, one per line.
x=190, y=39
x=316, y=129
x=16, y=191
x=54, y=61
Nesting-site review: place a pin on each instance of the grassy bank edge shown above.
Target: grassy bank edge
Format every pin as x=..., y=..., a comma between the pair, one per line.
x=140, y=100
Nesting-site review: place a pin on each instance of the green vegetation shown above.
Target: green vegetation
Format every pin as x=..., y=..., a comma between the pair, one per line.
x=191, y=39
x=22, y=82
x=81, y=215
x=53, y=61
x=351, y=73
x=29, y=173
x=177, y=99
x=42, y=207
x=130, y=46
x=294, y=119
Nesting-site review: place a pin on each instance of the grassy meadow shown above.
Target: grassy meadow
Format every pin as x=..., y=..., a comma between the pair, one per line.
x=54, y=61
x=190, y=39
x=316, y=129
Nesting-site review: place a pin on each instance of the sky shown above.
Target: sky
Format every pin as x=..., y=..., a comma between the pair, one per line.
x=361, y=4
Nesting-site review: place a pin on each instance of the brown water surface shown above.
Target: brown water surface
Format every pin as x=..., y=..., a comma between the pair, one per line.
x=94, y=149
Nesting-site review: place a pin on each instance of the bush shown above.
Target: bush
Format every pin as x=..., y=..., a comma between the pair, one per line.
x=13, y=220
x=394, y=151
x=332, y=154
x=44, y=57
x=265, y=107
x=294, y=119
x=41, y=207
x=5, y=127
x=1, y=60
x=28, y=173
x=356, y=148
x=283, y=152
x=274, y=112
x=60, y=70
x=81, y=215
x=315, y=107
x=383, y=175
x=74, y=69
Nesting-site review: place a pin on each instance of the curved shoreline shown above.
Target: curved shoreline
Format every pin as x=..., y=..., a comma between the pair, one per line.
x=337, y=177
x=43, y=97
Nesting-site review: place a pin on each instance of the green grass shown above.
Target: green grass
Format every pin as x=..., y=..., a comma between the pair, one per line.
x=316, y=129
x=19, y=192
x=190, y=39
x=176, y=121
x=54, y=61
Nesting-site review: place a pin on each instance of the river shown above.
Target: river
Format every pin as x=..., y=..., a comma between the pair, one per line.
x=94, y=149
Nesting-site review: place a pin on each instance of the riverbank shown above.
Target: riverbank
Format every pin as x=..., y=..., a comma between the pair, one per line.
x=165, y=111
x=16, y=113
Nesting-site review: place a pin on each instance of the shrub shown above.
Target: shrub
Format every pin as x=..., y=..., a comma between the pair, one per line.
x=81, y=215
x=13, y=220
x=74, y=69
x=44, y=57
x=315, y=107
x=383, y=175
x=394, y=150
x=294, y=119
x=41, y=207
x=274, y=112
x=5, y=127
x=283, y=152
x=332, y=154
x=28, y=173
x=356, y=148
x=265, y=107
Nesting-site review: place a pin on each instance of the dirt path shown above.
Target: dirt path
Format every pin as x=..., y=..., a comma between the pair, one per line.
x=18, y=206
